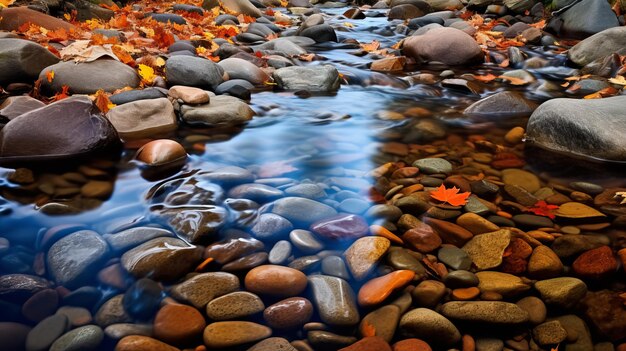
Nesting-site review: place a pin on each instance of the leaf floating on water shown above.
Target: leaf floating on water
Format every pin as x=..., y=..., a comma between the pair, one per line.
x=374, y=45
x=542, y=208
x=485, y=78
x=451, y=196
x=275, y=169
x=514, y=80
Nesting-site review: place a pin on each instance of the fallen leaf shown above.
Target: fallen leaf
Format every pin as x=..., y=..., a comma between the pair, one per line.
x=451, y=196
x=50, y=76
x=621, y=194
x=102, y=101
x=374, y=45
x=542, y=208
x=619, y=80
x=146, y=73
x=514, y=80
x=65, y=93
x=6, y=3
x=610, y=91
x=485, y=78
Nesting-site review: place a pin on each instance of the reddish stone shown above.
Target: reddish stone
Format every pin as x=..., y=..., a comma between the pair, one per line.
x=411, y=345
x=422, y=238
x=605, y=310
x=178, y=323
x=507, y=160
x=378, y=289
x=41, y=305
x=289, y=313
x=341, y=227
x=13, y=18
x=275, y=280
x=406, y=172
x=513, y=265
x=596, y=263
x=622, y=256
x=518, y=248
x=370, y=343
x=449, y=232
x=468, y=343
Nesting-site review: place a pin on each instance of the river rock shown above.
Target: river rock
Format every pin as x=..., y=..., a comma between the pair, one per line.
x=241, y=69
x=604, y=309
x=586, y=18
x=178, y=323
x=273, y=344
x=334, y=300
x=563, y=291
x=429, y=326
x=305, y=241
x=590, y=127
x=84, y=338
x=42, y=134
x=275, y=280
x=221, y=110
x=203, y=288
x=221, y=335
x=544, y=263
x=72, y=259
x=422, y=238
x=142, y=343
x=89, y=77
x=41, y=337
x=23, y=60
x=189, y=95
x=486, y=250
x=196, y=224
x=15, y=106
x=11, y=19
x=280, y=252
x=378, y=289
x=299, y=210
x=143, y=118
x=132, y=237
x=41, y=305
x=475, y=223
x=363, y=255
x=596, y=263
x=161, y=259
x=486, y=312
x=535, y=308
x=236, y=305
x=448, y=45
x=230, y=249
x=289, y=313
x=501, y=105
x=502, y=283
x=384, y=320
x=193, y=71
x=341, y=227
x=271, y=227
x=598, y=46
x=315, y=78
x=549, y=333
x=244, y=7
x=260, y=193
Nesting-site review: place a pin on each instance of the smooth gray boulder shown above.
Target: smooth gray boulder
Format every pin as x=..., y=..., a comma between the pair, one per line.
x=193, y=71
x=600, y=45
x=592, y=128
x=22, y=60
x=313, y=78
x=586, y=18
x=89, y=77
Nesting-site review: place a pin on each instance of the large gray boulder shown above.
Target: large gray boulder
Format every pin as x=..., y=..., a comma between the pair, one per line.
x=586, y=18
x=22, y=60
x=597, y=46
x=221, y=110
x=591, y=128
x=89, y=77
x=193, y=71
x=448, y=45
x=314, y=78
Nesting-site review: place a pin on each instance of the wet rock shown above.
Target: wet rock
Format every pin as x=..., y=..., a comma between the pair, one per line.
x=305, y=241
x=363, y=255
x=13, y=18
x=228, y=334
x=532, y=221
x=404, y=12
x=142, y=299
x=460, y=279
x=422, y=238
x=77, y=316
x=502, y=105
x=289, y=313
x=72, y=259
x=143, y=118
x=236, y=305
x=41, y=305
x=203, y=288
x=385, y=320
x=369, y=343
x=178, y=323
x=562, y=124
x=535, y=308
x=196, y=224
x=230, y=249
x=161, y=259
x=433, y=165
x=300, y=210
x=586, y=18
x=137, y=94
x=112, y=312
x=241, y=69
x=570, y=245
x=189, y=95
x=476, y=224
x=260, y=193
x=275, y=280
x=577, y=332
x=89, y=77
x=132, y=237
x=280, y=252
x=310, y=191
x=162, y=153
x=429, y=326
x=41, y=337
x=596, y=263
x=378, y=289
x=321, y=33
x=84, y=338
x=271, y=227
x=448, y=45
x=13, y=335
x=334, y=300
x=142, y=343
x=335, y=266
x=604, y=309
x=193, y=71
x=318, y=78
x=244, y=7
x=486, y=250
x=273, y=344
x=320, y=339
x=486, y=312
x=502, y=283
x=449, y=232
x=15, y=106
x=23, y=60
x=341, y=227
x=91, y=132
x=544, y=263
x=246, y=263
x=563, y=292
x=549, y=333
x=454, y=257
x=222, y=110
x=599, y=46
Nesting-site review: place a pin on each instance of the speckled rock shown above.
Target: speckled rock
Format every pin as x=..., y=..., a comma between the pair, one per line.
x=235, y=305
x=228, y=334
x=563, y=291
x=363, y=255
x=288, y=313
x=161, y=259
x=275, y=280
x=84, y=338
x=486, y=250
x=486, y=312
x=334, y=300
x=203, y=288
x=429, y=326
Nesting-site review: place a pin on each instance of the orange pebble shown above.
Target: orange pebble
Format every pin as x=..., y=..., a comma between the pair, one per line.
x=504, y=214
x=385, y=233
x=465, y=294
x=411, y=345
x=378, y=289
x=411, y=189
x=202, y=266
x=468, y=343
x=622, y=256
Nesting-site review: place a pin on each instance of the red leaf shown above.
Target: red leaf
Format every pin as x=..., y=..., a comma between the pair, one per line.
x=541, y=208
x=451, y=196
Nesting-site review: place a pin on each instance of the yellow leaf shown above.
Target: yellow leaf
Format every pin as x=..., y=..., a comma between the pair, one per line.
x=50, y=76
x=146, y=73
x=200, y=50
x=6, y=3
x=160, y=62
x=348, y=24
x=619, y=80
x=67, y=16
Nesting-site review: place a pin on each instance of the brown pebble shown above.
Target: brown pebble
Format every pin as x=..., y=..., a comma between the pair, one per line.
x=370, y=343
x=275, y=280
x=289, y=313
x=468, y=343
x=515, y=135
x=178, y=323
x=41, y=305
x=142, y=343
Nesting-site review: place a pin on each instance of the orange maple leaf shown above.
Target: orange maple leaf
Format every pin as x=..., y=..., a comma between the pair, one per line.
x=50, y=76
x=485, y=78
x=367, y=329
x=65, y=93
x=451, y=196
x=102, y=101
